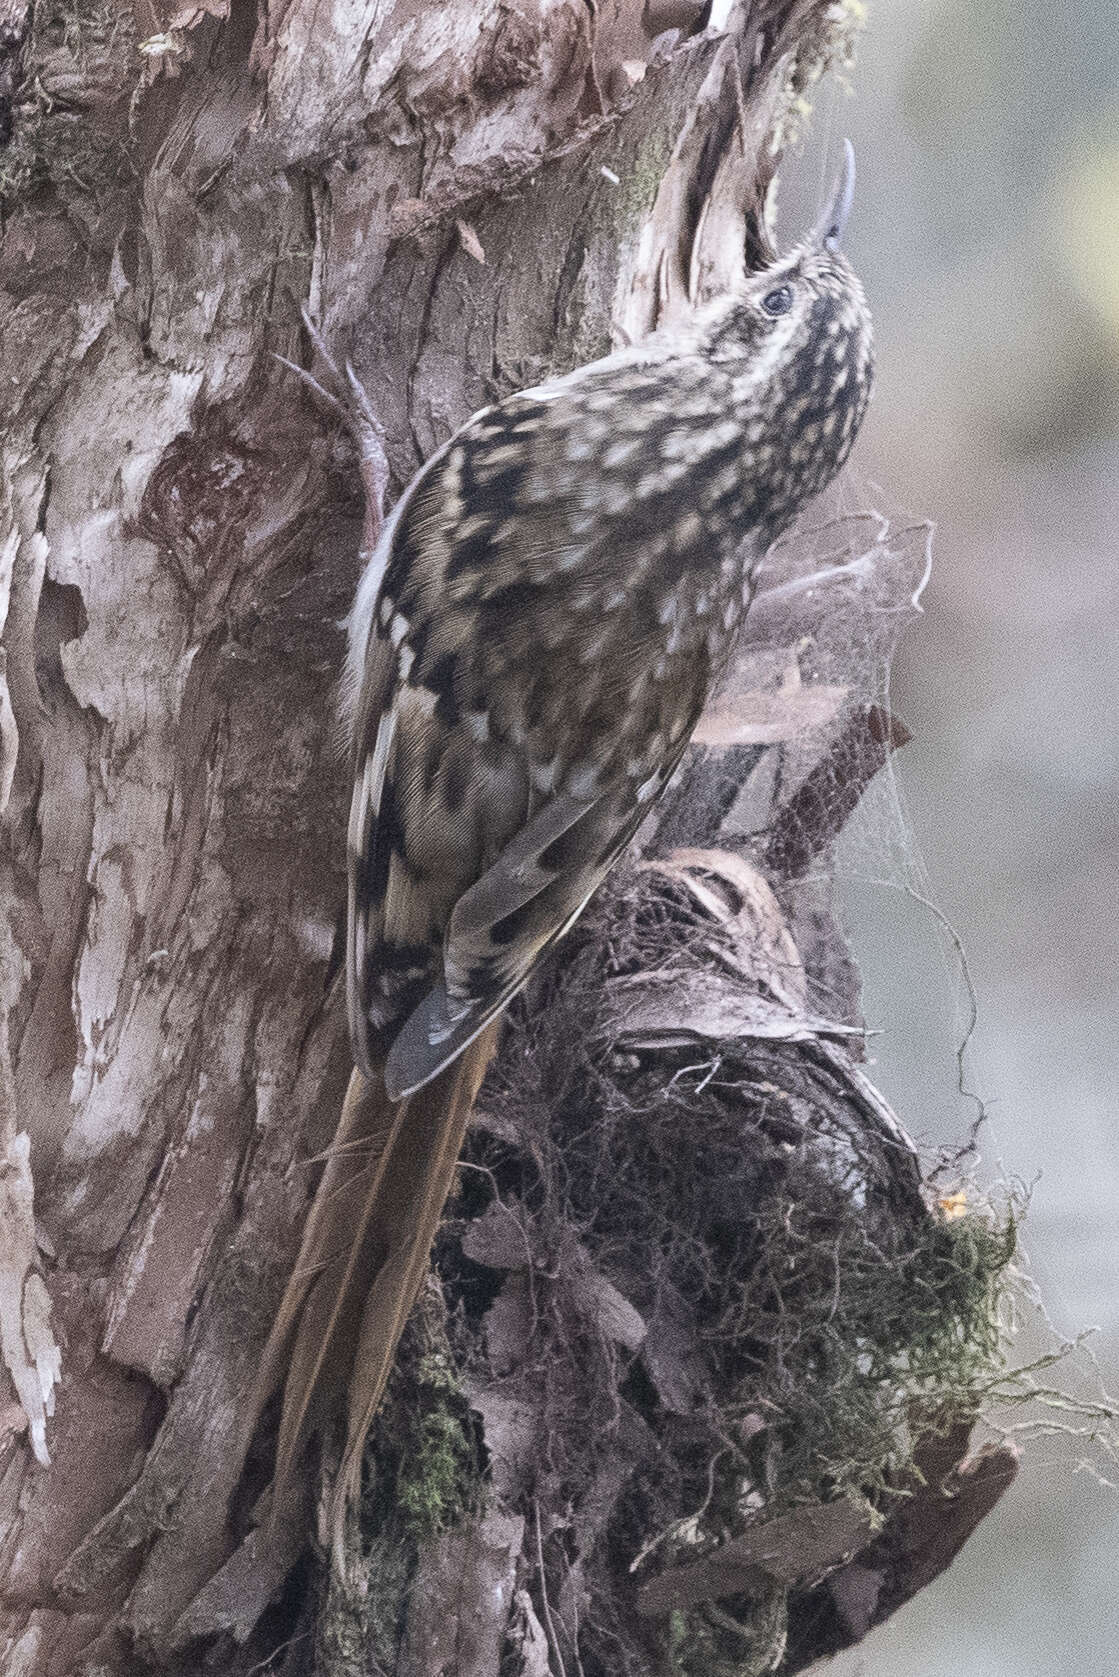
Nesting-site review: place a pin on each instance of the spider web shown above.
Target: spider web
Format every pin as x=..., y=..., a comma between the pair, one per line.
x=805, y=718
x=811, y=688
x=824, y=806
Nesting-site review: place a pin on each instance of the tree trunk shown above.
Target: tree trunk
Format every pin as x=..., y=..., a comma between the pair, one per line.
x=465, y=197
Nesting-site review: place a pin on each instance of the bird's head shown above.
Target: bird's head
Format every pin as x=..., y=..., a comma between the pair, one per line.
x=797, y=345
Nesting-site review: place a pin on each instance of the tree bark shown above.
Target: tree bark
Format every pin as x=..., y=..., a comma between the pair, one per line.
x=466, y=197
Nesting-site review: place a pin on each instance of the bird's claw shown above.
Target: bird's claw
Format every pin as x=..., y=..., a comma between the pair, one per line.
x=350, y=399
x=311, y=382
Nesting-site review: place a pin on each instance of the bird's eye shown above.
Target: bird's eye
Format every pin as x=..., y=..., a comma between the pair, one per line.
x=778, y=301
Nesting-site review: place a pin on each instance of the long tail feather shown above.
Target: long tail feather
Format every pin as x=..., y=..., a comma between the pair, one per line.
x=363, y=1259
x=413, y=1192
x=311, y=1319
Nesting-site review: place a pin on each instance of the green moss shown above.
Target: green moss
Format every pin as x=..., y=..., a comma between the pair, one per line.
x=851, y=1376
x=423, y=1471
x=438, y=1471
x=743, y=1636
x=423, y=1474
x=638, y=186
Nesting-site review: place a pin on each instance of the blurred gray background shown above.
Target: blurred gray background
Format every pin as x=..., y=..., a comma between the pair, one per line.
x=986, y=230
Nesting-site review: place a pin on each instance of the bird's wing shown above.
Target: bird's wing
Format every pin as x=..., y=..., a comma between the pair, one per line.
x=501, y=926
x=491, y=788
x=415, y=787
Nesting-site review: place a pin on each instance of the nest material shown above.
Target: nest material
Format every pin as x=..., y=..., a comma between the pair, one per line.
x=719, y=1346
x=708, y=1315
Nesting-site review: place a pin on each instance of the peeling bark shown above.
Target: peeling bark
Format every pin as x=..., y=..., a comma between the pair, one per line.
x=466, y=197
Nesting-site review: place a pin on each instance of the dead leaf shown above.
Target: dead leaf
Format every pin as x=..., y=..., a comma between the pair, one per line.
x=533, y=1639
x=796, y=1549
x=511, y=1429
x=855, y=1590
x=769, y=718
x=765, y=952
x=672, y=1354
x=614, y=1315
x=706, y=1007
x=508, y=1325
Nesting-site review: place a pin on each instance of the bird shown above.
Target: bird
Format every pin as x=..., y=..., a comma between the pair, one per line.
x=536, y=631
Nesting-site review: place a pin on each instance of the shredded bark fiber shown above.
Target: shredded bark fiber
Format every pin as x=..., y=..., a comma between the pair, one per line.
x=705, y=1310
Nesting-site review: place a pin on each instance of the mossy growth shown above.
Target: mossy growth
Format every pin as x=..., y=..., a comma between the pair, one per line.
x=423, y=1474
x=857, y=1339
x=839, y=1333
x=816, y=1306
x=842, y=1308
x=423, y=1469
x=741, y=1637
x=437, y=1476
x=69, y=116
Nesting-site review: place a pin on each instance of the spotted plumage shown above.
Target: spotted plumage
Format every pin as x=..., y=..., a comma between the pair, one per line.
x=540, y=626
x=536, y=631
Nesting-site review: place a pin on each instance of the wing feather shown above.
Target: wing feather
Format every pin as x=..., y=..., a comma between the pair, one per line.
x=502, y=925
x=508, y=731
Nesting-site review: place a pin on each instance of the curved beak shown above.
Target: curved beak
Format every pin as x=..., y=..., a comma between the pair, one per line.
x=829, y=229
